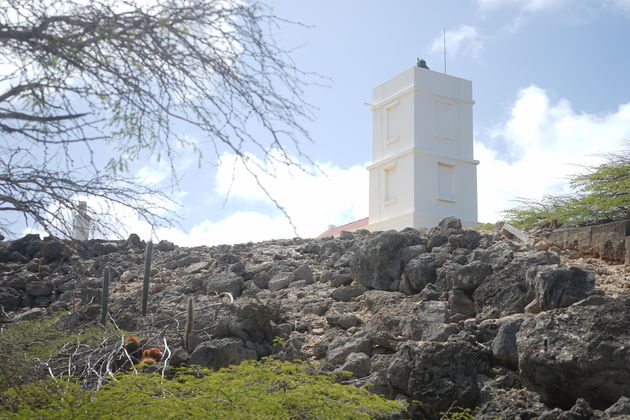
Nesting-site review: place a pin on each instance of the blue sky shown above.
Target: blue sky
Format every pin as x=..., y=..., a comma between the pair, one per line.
x=551, y=81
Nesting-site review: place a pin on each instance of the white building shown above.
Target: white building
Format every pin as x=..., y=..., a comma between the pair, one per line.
x=81, y=224
x=423, y=168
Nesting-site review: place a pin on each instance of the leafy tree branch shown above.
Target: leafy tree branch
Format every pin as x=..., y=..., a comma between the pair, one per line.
x=601, y=192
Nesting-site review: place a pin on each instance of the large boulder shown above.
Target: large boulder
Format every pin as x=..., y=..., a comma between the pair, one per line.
x=495, y=403
x=377, y=263
x=220, y=353
x=52, y=250
x=165, y=246
x=340, y=348
x=503, y=293
x=422, y=270
x=467, y=277
x=225, y=282
x=185, y=260
x=559, y=287
x=304, y=272
x=448, y=226
x=460, y=305
x=197, y=267
x=100, y=248
x=580, y=351
x=10, y=299
x=470, y=276
x=27, y=246
x=280, y=281
x=356, y=363
x=506, y=291
x=428, y=321
x=344, y=321
x=436, y=240
x=226, y=258
x=373, y=300
x=498, y=255
x=620, y=408
x=504, y=350
x=442, y=375
x=389, y=317
x=134, y=241
x=252, y=323
x=468, y=239
x=411, y=252
x=39, y=288
x=314, y=305
x=5, y=255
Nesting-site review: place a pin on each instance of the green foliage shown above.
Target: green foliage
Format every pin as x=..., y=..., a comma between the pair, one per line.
x=281, y=341
x=549, y=210
x=602, y=192
x=42, y=399
x=34, y=338
x=483, y=226
x=460, y=413
x=269, y=389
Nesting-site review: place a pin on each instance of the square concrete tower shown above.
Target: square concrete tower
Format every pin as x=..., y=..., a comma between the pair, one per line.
x=423, y=168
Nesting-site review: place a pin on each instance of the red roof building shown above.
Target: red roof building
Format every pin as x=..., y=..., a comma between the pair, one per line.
x=335, y=231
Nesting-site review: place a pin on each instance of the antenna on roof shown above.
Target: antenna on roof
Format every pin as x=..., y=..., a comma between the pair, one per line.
x=444, y=40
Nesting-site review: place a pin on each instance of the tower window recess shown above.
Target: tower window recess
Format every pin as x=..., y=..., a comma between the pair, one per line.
x=390, y=184
x=445, y=181
x=445, y=120
x=392, y=122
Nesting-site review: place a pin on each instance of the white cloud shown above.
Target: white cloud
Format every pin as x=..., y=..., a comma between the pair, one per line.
x=530, y=6
x=153, y=174
x=548, y=142
x=321, y=195
x=465, y=40
x=623, y=5
x=313, y=198
x=570, y=11
x=183, y=155
x=240, y=227
x=525, y=9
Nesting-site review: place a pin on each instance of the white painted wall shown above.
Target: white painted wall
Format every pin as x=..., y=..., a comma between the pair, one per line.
x=423, y=166
x=81, y=223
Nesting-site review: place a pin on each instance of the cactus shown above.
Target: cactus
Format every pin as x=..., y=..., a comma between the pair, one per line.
x=107, y=276
x=188, y=326
x=147, y=275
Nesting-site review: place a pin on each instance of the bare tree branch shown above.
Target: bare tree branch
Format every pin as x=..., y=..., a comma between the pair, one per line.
x=144, y=79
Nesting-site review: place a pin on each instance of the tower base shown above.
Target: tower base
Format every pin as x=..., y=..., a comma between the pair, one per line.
x=414, y=220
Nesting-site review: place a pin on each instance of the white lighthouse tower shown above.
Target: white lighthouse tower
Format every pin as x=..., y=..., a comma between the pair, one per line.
x=423, y=168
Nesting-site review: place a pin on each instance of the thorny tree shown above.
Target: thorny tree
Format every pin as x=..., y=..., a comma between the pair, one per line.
x=600, y=192
x=143, y=79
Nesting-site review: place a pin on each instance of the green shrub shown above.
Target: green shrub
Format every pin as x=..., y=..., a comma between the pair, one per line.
x=483, y=226
x=601, y=192
x=459, y=413
x=268, y=389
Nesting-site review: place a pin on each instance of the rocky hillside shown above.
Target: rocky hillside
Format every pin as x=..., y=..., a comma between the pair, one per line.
x=444, y=318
